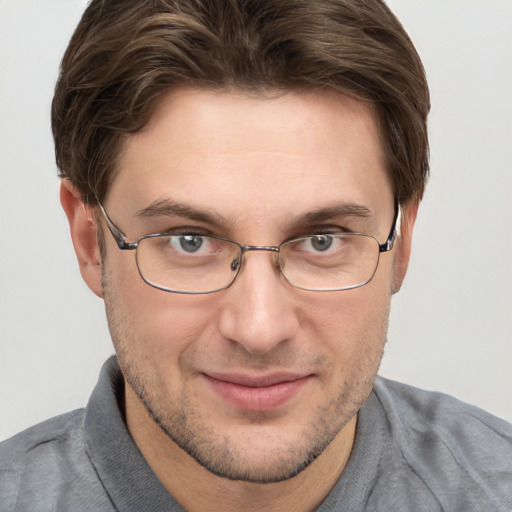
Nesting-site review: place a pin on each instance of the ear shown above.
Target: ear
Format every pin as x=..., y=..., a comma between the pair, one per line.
x=404, y=243
x=84, y=235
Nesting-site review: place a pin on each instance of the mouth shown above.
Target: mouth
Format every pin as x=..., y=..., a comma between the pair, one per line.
x=257, y=394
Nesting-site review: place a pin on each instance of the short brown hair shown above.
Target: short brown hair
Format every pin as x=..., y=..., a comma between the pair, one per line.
x=125, y=54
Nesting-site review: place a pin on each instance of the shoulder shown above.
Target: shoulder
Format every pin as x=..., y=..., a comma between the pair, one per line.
x=429, y=411
x=459, y=451
x=47, y=463
x=50, y=435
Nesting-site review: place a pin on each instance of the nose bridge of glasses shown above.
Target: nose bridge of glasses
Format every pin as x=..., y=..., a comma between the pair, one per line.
x=247, y=248
x=271, y=248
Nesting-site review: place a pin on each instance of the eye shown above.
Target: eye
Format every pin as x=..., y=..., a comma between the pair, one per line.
x=189, y=243
x=321, y=243
x=318, y=243
x=196, y=245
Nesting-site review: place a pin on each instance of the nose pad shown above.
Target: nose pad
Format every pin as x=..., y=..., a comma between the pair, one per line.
x=279, y=263
x=235, y=264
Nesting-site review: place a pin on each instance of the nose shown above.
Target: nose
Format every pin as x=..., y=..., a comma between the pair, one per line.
x=259, y=311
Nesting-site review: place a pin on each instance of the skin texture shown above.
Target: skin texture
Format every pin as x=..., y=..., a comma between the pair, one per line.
x=257, y=165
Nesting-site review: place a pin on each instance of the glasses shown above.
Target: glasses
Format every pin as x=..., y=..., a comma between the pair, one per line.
x=200, y=264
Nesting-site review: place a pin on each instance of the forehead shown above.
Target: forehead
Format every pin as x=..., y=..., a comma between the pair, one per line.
x=235, y=152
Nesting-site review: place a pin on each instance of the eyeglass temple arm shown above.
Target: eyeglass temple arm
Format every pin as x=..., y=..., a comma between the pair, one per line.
x=118, y=235
x=388, y=244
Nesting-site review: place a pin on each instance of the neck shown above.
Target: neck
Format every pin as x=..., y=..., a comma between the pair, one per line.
x=198, y=490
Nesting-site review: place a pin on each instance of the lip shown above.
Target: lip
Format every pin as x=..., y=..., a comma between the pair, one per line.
x=257, y=393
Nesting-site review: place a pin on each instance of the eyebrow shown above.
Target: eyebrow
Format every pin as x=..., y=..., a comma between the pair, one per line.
x=169, y=208
x=342, y=209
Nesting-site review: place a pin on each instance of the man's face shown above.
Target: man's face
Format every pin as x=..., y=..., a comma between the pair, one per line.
x=253, y=381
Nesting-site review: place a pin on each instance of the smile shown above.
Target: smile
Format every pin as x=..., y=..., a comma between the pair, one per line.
x=257, y=394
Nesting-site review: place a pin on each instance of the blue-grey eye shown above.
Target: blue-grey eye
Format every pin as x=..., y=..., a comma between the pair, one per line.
x=321, y=242
x=191, y=243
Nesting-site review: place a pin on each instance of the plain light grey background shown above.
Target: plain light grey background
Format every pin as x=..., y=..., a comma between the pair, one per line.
x=451, y=323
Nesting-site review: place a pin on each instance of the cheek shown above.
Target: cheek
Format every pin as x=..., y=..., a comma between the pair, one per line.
x=351, y=313
x=353, y=326
x=149, y=321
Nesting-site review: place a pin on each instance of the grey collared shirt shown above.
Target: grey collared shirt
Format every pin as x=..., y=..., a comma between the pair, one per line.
x=414, y=451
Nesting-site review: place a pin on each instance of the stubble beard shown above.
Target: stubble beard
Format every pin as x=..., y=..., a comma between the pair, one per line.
x=180, y=420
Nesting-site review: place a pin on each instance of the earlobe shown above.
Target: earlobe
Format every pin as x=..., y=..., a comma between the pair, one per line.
x=404, y=244
x=84, y=235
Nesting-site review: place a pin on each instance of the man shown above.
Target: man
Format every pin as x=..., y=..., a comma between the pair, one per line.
x=241, y=181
